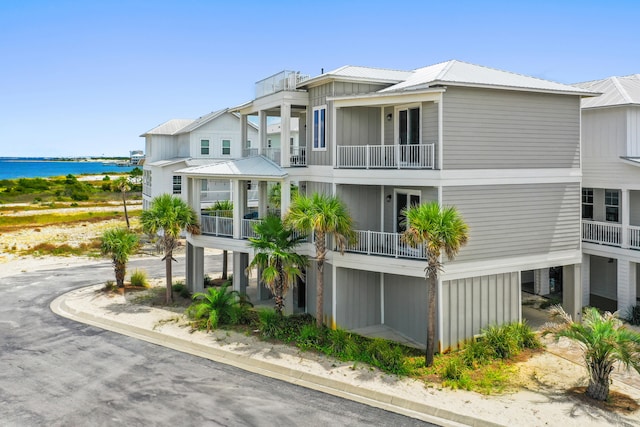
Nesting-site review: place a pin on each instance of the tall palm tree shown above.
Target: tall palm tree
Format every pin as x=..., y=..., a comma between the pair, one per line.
x=169, y=215
x=119, y=244
x=276, y=257
x=604, y=341
x=123, y=185
x=438, y=229
x=321, y=214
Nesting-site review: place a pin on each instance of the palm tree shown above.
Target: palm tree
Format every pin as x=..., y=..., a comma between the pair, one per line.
x=275, y=194
x=218, y=306
x=123, y=185
x=276, y=257
x=321, y=214
x=437, y=229
x=119, y=244
x=604, y=341
x=169, y=215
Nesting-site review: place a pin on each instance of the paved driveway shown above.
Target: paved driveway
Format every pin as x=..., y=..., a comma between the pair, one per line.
x=57, y=372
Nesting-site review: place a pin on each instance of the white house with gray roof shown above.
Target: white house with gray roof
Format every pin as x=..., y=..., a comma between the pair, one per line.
x=611, y=193
x=179, y=143
x=503, y=148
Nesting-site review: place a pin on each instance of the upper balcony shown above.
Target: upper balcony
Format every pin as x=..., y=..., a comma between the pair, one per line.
x=282, y=81
x=411, y=156
x=611, y=234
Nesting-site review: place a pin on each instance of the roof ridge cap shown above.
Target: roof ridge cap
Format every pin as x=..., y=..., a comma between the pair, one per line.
x=621, y=89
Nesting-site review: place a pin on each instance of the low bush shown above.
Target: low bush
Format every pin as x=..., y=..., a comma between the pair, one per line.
x=218, y=306
x=181, y=289
x=139, y=278
x=633, y=315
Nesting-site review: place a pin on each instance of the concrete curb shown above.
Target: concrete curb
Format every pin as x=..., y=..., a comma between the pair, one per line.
x=331, y=386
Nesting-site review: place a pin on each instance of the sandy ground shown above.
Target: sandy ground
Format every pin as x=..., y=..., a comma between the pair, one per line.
x=542, y=401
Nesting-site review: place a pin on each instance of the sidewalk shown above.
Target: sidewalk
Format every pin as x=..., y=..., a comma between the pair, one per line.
x=549, y=406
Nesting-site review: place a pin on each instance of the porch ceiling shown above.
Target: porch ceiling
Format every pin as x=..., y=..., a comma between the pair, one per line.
x=255, y=167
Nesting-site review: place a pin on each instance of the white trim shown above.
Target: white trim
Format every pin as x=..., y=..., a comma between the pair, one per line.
x=382, y=298
x=409, y=193
x=324, y=131
x=440, y=103
x=396, y=121
x=520, y=295
x=439, y=314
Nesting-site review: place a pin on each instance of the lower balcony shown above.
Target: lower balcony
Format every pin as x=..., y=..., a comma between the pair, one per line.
x=412, y=156
x=380, y=243
x=610, y=234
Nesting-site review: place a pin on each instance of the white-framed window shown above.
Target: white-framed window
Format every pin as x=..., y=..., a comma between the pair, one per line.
x=226, y=147
x=177, y=184
x=587, y=203
x=204, y=147
x=612, y=205
x=319, y=128
x=204, y=184
x=404, y=199
x=408, y=125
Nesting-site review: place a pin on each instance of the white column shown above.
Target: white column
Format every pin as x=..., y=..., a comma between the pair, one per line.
x=262, y=199
x=285, y=135
x=285, y=197
x=237, y=210
x=624, y=210
x=541, y=281
x=571, y=291
x=243, y=134
x=626, y=295
x=586, y=279
x=262, y=132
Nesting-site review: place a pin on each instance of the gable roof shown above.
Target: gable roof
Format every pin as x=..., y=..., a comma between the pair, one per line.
x=366, y=74
x=458, y=73
x=170, y=127
x=200, y=121
x=254, y=167
x=615, y=91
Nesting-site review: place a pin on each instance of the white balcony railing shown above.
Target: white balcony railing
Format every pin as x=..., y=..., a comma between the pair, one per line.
x=634, y=237
x=417, y=156
x=216, y=225
x=298, y=156
x=602, y=232
x=247, y=228
x=384, y=244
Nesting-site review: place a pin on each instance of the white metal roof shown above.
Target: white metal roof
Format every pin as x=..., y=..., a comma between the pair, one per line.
x=615, y=91
x=170, y=127
x=168, y=162
x=201, y=121
x=383, y=75
x=458, y=73
x=257, y=167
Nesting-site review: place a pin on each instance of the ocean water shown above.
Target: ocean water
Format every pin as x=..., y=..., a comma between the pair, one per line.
x=39, y=168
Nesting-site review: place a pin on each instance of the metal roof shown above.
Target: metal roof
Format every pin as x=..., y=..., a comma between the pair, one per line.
x=169, y=127
x=615, y=91
x=201, y=121
x=257, y=167
x=382, y=75
x=168, y=162
x=458, y=73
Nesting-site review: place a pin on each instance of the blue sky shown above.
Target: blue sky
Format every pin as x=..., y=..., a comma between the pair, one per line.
x=86, y=78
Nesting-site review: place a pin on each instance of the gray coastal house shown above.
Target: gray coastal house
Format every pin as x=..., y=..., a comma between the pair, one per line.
x=503, y=148
x=611, y=193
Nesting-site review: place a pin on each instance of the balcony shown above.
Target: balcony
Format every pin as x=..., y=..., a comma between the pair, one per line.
x=416, y=156
x=379, y=243
x=610, y=234
x=282, y=81
x=297, y=155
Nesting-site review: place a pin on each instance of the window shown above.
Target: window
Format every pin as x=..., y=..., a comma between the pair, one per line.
x=612, y=205
x=204, y=147
x=404, y=200
x=319, y=128
x=226, y=147
x=587, y=203
x=177, y=184
x=409, y=126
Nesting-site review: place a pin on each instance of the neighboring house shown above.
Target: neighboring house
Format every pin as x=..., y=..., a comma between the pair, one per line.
x=179, y=143
x=611, y=193
x=503, y=148
x=136, y=157
x=273, y=136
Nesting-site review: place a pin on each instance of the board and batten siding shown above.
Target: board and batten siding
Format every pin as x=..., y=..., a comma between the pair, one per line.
x=358, y=297
x=363, y=203
x=474, y=303
x=405, y=306
x=318, y=187
x=634, y=208
x=517, y=220
x=499, y=129
x=318, y=97
x=358, y=126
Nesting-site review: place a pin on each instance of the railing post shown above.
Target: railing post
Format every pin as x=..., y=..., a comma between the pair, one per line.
x=395, y=236
x=367, y=153
x=398, y=156
x=368, y=242
x=338, y=157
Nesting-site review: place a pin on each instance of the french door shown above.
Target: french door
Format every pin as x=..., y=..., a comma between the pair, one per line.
x=404, y=200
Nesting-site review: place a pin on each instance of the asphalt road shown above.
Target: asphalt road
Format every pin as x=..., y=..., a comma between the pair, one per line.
x=56, y=372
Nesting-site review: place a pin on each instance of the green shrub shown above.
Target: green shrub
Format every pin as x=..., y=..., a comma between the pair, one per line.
x=271, y=324
x=310, y=336
x=110, y=286
x=633, y=315
x=476, y=353
x=386, y=356
x=139, y=278
x=181, y=289
x=550, y=302
x=341, y=344
x=217, y=306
